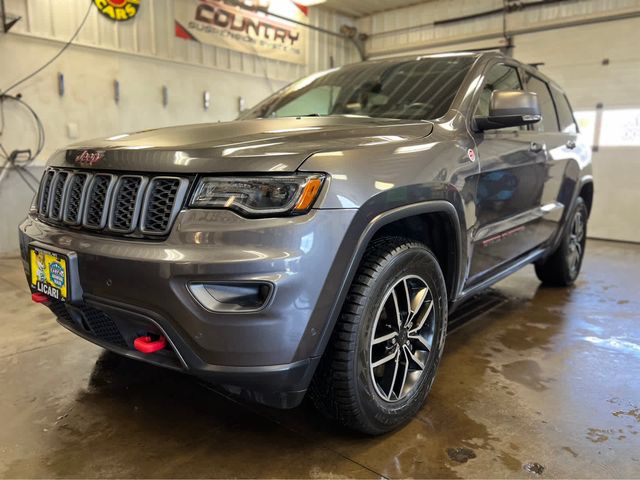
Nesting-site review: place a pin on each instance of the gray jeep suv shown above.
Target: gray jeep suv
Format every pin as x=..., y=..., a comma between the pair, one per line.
x=319, y=242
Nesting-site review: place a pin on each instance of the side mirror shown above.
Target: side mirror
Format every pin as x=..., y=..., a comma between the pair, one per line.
x=510, y=108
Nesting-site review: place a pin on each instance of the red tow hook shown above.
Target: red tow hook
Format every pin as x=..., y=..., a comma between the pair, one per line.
x=147, y=345
x=39, y=297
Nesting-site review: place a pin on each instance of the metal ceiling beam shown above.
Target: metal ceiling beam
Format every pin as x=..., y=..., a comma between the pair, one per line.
x=499, y=33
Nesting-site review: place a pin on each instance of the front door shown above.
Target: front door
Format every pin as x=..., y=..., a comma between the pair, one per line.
x=513, y=172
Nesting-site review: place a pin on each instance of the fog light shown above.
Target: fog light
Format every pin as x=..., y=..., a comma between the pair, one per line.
x=232, y=297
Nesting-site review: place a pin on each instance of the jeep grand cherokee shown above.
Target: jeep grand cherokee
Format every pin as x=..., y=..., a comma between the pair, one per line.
x=318, y=243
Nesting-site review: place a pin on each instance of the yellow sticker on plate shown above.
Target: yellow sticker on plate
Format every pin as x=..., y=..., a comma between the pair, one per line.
x=49, y=273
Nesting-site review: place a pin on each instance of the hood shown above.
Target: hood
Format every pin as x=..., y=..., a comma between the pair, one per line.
x=261, y=145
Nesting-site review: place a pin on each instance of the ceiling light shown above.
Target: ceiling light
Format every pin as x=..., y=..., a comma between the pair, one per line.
x=309, y=3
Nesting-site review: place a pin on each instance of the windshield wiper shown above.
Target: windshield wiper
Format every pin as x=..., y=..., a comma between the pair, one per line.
x=298, y=115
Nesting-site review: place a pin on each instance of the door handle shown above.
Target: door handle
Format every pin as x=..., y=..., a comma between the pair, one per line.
x=536, y=147
x=571, y=144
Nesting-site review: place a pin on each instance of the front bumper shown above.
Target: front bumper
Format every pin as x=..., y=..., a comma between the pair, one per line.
x=271, y=354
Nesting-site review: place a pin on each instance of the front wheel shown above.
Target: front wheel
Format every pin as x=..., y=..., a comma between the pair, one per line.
x=563, y=266
x=384, y=352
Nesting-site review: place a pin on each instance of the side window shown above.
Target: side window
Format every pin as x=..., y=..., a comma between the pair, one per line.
x=565, y=115
x=500, y=77
x=549, y=122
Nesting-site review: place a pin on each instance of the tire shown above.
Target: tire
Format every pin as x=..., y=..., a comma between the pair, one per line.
x=376, y=400
x=563, y=266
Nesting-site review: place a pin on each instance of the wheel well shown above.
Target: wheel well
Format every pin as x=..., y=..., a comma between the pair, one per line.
x=586, y=192
x=436, y=231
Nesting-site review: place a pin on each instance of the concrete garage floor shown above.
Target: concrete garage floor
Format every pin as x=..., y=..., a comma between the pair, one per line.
x=548, y=377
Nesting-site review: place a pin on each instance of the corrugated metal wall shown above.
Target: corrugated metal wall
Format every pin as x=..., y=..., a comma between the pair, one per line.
x=151, y=34
x=412, y=28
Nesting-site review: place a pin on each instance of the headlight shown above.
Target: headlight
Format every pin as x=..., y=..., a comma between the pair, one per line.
x=259, y=196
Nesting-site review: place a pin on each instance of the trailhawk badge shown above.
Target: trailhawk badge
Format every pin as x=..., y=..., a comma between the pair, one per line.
x=118, y=10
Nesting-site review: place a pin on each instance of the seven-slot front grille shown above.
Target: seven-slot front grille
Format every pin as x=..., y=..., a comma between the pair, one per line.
x=103, y=202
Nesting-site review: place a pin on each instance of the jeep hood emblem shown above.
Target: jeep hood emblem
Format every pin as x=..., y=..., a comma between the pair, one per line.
x=88, y=157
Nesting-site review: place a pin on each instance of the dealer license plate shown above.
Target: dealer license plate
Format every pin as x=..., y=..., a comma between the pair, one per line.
x=49, y=273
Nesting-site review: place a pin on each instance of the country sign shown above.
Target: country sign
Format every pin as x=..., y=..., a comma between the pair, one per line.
x=260, y=27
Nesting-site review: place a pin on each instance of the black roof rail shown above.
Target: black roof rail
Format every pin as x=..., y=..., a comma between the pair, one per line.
x=468, y=50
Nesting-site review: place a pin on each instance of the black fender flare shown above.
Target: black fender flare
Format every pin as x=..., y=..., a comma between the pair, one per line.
x=371, y=228
x=584, y=180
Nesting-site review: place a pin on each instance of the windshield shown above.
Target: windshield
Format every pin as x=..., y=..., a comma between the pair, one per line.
x=409, y=89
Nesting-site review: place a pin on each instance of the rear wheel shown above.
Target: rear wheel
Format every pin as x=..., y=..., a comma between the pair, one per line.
x=384, y=352
x=562, y=268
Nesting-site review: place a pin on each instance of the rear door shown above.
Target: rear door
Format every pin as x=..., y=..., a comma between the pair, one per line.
x=559, y=133
x=566, y=157
x=513, y=173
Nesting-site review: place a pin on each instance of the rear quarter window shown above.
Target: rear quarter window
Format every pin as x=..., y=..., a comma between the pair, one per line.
x=565, y=114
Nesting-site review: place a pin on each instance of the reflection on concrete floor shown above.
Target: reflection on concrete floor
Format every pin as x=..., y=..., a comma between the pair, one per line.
x=534, y=382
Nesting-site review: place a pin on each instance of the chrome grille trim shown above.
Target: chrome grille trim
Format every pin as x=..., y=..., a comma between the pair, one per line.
x=128, y=204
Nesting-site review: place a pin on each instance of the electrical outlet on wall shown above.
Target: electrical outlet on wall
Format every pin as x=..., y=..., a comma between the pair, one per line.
x=72, y=130
x=61, y=84
x=165, y=95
